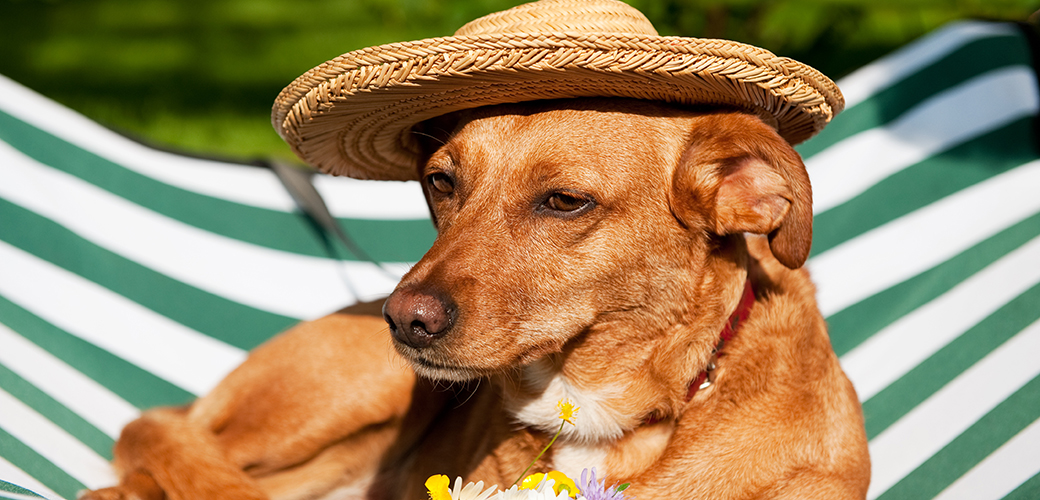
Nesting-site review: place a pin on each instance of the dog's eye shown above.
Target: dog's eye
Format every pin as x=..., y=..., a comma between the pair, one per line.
x=440, y=182
x=568, y=203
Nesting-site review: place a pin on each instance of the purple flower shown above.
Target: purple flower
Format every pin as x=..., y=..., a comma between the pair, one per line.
x=593, y=490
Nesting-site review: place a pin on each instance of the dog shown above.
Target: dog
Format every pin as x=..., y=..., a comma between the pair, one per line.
x=640, y=260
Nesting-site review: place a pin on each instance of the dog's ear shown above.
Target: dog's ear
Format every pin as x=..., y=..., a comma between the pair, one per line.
x=737, y=175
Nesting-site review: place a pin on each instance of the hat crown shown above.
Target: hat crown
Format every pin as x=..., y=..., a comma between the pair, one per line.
x=591, y=16
x=354, y=115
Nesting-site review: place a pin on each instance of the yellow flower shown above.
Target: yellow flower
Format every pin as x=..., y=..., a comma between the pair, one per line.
x=563, y=483
x=531, y=482
x=437, y=485
x=567, y=410
x=560, y=482
x=567, y=413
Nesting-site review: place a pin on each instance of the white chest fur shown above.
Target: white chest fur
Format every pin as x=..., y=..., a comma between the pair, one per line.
x=602, y=437
x=540, y=390
x=596, y=423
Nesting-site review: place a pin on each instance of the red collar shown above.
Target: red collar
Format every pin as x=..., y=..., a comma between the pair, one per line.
x=707, y=377
x=729, y=330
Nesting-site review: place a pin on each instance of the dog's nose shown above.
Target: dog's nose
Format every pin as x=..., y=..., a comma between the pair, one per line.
x=417, y=318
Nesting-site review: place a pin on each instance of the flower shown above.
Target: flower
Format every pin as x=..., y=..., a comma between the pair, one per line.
x=471, y=491
x=553, y=485
x=531, y=482
x=567, y=411
x=542, y=491
x=563, y=484
x=593, y=490
x=437, y=486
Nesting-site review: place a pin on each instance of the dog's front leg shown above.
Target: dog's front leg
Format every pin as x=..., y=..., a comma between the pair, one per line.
x=312, y=410
x=839, y=485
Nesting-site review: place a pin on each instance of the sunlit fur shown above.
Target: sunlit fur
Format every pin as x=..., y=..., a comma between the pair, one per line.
x=615, y=306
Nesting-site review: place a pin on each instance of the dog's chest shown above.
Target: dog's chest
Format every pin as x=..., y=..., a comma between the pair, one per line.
x=585, y=441
x=573, y=458
x=535, y=402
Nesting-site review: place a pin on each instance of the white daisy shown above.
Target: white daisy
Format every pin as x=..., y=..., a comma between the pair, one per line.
x=544, y=491
x=471, y=491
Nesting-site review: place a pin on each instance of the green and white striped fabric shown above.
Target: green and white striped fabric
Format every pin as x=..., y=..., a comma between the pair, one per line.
x=927, y=259
x=131, y=277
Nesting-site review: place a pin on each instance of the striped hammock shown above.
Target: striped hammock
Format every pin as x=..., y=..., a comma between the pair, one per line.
x=131, y=277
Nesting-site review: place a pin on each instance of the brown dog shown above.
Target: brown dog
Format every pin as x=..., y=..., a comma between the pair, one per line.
x=591, y=250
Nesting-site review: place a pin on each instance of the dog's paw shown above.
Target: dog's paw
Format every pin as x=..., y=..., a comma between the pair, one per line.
x=118, y=493
x=133, y=486
x=113, y=493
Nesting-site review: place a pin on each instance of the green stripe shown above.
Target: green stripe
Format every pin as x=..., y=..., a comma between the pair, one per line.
x=853, y=325
x=56, y=412
x=961, y=65
x=1029, y=490
x=139, y=387
x=385, y=241
x=211, y=314
x=6, y=487
x=926, y=182
x=971, y=447
x=896, y=400
x=40, y=468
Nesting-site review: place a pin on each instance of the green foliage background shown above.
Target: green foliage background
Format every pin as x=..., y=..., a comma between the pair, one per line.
x=200, y=75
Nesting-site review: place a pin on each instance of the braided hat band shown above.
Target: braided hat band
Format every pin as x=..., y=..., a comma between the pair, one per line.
x=353, y=115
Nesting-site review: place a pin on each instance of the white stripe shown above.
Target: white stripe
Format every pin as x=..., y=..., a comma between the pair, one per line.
x=986, y=102
x=12, y=474
x=378, y=200
x=290, y=284
x=885, y=72
x=239, y=183
x=112, y=322
x=953, y=409
x=1000, y=473
x=897, y=349
x=79, y=393
x=890, y=254
x=54, y=444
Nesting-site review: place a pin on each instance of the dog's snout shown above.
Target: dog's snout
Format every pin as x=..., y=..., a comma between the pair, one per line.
x=416, y=317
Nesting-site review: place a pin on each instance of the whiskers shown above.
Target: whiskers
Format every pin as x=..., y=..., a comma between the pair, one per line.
x=475, y=386
x=435, y=138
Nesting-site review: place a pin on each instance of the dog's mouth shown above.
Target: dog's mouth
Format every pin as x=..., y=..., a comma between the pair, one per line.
x=443, y=371
x=456, y=370
x=460, y=362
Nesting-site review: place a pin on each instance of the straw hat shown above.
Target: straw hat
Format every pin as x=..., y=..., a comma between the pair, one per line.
x=353, y=115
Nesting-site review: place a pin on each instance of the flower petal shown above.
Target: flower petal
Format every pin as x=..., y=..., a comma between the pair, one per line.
x=563, y=483
x=567, y=410
x=437, y=486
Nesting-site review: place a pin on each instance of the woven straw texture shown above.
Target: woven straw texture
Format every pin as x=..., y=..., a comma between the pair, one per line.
x=353, y=114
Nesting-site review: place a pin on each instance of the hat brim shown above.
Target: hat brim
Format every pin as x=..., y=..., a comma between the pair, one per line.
x=353, y=115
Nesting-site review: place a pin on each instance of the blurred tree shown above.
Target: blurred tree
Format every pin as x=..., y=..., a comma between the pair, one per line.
x=835, y=36
x=201, y=75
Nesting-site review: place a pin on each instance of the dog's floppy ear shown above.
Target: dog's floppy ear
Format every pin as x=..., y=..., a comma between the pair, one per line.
x=738, y=175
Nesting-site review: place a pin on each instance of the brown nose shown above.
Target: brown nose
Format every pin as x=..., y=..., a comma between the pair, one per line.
x=417, y=317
